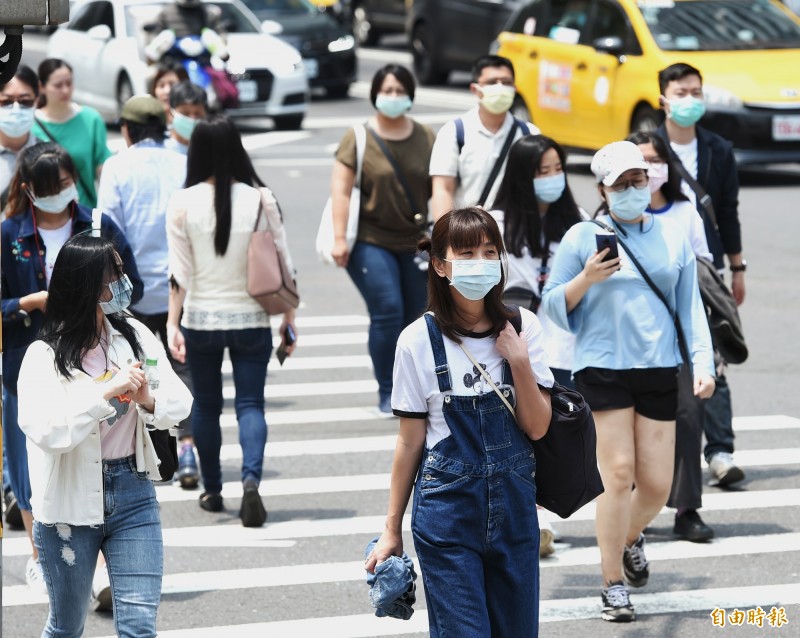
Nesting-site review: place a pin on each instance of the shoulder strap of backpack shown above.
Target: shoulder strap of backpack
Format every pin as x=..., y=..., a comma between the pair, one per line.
x=459, y=134
x=516, y=319
x=499, y=163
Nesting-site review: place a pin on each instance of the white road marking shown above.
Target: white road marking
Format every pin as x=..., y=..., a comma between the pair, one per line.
x=299, y=417
x=312, y=363
x=326, y=388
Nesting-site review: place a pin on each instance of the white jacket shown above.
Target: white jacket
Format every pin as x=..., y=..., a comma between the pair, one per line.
x=61, y=418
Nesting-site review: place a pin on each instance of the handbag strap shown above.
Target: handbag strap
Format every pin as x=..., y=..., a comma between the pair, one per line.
x=486, y=376
x=682, y=346
x=515, y=124
x=360, y=132
x=398, y=172
x=703, y=198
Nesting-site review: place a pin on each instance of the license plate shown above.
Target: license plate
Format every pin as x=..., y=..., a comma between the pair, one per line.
x=248, y=90
x=312, y=68
x=786, y=127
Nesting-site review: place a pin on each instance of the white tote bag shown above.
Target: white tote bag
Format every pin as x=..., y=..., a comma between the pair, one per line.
x=325, y=234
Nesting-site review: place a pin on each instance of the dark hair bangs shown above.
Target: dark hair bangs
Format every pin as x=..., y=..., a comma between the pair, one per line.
x=472, y=229
x=43, y=174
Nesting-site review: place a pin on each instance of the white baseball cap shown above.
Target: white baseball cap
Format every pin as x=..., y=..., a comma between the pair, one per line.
x=614, y=159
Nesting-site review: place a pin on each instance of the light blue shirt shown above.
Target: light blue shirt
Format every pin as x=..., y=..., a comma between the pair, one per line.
x=174, y=145
x=135, y=186
x=620, y=324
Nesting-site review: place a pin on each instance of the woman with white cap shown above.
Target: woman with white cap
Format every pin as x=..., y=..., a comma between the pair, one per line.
x=627, y=356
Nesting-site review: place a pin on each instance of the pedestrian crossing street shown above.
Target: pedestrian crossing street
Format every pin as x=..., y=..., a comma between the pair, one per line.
x=326, y=483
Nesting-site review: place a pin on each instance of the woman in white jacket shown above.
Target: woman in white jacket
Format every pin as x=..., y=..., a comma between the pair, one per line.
x=85, y=405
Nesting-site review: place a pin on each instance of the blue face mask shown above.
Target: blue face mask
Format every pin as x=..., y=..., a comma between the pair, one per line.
x=121, y=293
x=686, y=111
x=16, y=120
x=393, y=106
x=629, y=204
x=550, y=188
x=474, y=278
x=183, y=125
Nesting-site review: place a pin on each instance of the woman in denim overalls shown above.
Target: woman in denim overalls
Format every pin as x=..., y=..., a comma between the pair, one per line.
x=474, y=515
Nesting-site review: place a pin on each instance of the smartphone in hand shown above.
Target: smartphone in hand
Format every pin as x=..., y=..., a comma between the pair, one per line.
x=289, y=337
x=607, y=241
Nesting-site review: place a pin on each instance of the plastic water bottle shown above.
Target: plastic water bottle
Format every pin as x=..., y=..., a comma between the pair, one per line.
x=151, y=373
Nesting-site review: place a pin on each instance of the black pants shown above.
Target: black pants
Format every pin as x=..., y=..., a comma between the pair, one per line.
x=687, y=482
x=158, y=326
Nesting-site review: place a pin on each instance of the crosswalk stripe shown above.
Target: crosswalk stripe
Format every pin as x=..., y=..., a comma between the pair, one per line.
x=327, y=388
x=312, y=363
x=761, y=423
x=314, y=447
x=323, y=321
x=299, y=417
x=325, y=339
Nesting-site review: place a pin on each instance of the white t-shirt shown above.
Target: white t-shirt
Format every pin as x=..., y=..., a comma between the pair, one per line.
x=687, y=153
x=53, y=241
x=478, y=156
x=685, y=214
x=416, y=389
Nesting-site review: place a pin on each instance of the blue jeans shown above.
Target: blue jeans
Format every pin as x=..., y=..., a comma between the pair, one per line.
x=16, y=452
x=130, y=539
x=250, y=349
x=474, y=519
x=396, y=293
x=718, y=421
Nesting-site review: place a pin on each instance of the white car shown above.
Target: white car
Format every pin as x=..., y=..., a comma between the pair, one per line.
x=105, y=39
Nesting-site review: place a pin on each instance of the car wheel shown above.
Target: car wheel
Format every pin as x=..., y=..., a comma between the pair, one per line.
x=426, y=66
x=124, y=92
x=520, y=110
x=288, y=122
x=338, y=92
x=363, y=31
x=645, y=118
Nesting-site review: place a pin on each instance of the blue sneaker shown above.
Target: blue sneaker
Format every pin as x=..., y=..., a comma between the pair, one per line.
x=385, y=408
x=188, y=476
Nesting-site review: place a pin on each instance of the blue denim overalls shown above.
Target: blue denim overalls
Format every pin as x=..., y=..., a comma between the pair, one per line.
x=474, y=520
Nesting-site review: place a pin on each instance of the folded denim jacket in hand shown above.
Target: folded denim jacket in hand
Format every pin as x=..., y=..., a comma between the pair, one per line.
x=392, y=588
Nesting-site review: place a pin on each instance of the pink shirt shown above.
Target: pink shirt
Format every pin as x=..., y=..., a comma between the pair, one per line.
x=117, y=433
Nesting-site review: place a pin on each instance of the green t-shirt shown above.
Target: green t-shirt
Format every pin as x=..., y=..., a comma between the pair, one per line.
x=84, y=137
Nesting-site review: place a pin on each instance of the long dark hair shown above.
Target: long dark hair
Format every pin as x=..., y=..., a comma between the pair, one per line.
x=517, y=199
x=459, y=229
x=46, y=69
x=671, y=189
x=38, y=166
x=82, y=269
x=216, y=150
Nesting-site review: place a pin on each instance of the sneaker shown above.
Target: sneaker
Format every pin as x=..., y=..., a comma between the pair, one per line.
x=546, y=538
x=188, y=476
x=211, y=502
x=34, y=576
x=723, y=471
x=617, y=603
x=385, y=408
x=13, y=515
x=101, y=590
x=253, y=513
x=690, y=526
x=634, y=564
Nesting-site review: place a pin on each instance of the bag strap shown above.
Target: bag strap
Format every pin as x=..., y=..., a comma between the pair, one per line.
x=459, y=123
x=360, y=132
x=499, y=163
x=543, y=269
x=682, y=346
x=703, y=198
x=52, y=138
x=398, y=172
x=486, y=376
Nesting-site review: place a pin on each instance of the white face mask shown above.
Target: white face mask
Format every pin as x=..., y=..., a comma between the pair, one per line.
x=474, y=278
x=497, y=98
x=55, y=203
x=16, y=120
x=657, y=174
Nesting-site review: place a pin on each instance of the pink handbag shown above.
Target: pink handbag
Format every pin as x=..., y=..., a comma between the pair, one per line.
x=269, y=281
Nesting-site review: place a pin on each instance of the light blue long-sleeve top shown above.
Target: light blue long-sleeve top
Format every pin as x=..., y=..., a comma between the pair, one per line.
x=620, y=324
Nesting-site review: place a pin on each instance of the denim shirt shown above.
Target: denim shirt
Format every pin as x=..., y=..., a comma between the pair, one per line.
x=392, y=588
x=22, y=274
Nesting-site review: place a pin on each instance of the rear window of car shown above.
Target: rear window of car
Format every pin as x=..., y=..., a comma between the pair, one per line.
x=719, y=25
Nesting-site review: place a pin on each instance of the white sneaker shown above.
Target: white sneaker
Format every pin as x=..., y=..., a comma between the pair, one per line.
x=34, y=577
x=723, y=471
x=101, y=590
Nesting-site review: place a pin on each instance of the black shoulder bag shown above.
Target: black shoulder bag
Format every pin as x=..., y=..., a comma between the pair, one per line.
x=166, y=447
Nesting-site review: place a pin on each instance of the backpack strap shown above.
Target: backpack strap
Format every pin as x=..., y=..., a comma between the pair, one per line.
x=442, y=369
x=459, y=134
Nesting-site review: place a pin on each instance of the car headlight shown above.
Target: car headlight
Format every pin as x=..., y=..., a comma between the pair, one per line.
x=345, y=43
x=716, y=96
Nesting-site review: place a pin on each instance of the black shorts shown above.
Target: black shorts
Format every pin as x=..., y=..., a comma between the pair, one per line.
x=651, y=392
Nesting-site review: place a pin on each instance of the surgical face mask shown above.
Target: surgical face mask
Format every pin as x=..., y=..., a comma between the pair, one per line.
x=55, y=203
x=393, y=106
x=474, y=278
x=497, y=98
x=657, y=176
x=630, y=203
x=686, y=111
x=550, y=188
x=121, y=292
x=183, y=124
x=16, y=120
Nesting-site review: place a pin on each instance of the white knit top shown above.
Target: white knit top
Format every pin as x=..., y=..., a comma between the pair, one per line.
x=216, y=285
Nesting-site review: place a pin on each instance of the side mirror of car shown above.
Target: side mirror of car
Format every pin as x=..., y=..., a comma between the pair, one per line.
x=612, y=45
x=100, y=32
x=271, y=27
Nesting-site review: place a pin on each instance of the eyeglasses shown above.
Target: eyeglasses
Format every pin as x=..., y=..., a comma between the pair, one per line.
x=640, y=181
x=24, y=102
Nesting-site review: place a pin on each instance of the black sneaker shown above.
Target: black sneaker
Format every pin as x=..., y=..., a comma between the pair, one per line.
x=211, y=502
x=690, y=526
x=253, y=513
x=617, y=603
x=13, y=515
x=634, y=564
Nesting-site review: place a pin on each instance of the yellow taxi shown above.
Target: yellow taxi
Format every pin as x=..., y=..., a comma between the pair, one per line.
x=587, y=70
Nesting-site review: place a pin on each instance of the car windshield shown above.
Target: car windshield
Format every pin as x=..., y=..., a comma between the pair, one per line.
x=280, y=6
x=719, y=25
x=140, y=15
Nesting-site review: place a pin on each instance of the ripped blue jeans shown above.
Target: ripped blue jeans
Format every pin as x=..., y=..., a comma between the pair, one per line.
x=130, y=539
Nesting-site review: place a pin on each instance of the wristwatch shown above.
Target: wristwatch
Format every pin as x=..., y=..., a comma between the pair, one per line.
x=740, y=268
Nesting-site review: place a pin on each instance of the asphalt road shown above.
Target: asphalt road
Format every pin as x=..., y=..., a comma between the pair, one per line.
x=328, y=457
